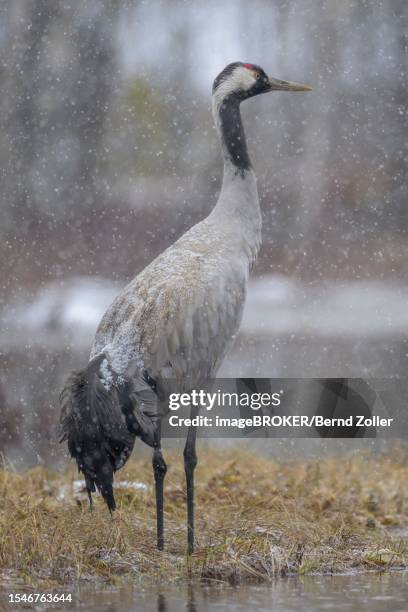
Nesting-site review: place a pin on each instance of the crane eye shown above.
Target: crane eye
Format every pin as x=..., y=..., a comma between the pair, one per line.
x=257, y=76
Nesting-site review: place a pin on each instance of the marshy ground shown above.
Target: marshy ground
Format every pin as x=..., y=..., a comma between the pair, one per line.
x=256, y=519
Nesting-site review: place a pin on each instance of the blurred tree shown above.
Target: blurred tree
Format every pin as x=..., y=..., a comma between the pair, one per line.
x=25, y=29
x=105, y=108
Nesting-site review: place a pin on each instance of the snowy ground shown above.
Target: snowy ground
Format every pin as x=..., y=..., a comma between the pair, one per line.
x=64, y=312
x=280, y=305
x=276, y=306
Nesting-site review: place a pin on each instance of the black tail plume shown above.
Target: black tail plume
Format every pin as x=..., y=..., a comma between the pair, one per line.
x=96, y=420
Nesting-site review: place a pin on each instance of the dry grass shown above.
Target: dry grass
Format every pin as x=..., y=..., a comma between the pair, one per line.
x=256, y=519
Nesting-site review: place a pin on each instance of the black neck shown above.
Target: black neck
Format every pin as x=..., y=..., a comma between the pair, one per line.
x=232, y=134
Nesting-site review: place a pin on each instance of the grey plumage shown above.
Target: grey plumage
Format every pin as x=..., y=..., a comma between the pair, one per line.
x=171, y=327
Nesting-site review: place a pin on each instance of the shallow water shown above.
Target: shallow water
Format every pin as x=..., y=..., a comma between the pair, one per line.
x=346, y=593
x=375, y=592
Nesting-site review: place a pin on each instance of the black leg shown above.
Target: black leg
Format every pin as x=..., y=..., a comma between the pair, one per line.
x=190, y=462
x=159, y=470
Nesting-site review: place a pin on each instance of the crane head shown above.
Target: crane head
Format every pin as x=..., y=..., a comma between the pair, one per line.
x=243, y=81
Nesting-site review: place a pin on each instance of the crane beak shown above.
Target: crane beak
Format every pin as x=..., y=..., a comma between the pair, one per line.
x=278, y=85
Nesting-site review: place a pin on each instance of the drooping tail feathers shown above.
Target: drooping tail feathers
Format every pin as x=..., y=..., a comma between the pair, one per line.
x=100, y=422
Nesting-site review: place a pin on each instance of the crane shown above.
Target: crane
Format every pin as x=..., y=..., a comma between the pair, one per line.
x=173, y=324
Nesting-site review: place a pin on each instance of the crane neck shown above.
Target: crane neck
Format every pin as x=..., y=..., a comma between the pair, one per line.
x=227, y=118
x=238, y=204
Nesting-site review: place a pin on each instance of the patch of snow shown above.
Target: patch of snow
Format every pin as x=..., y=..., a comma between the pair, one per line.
x=128, y=484
x=67, y=310
x=283, y=306
x=79, y=486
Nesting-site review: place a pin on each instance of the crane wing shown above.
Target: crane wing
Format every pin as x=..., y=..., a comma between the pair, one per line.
x=100, y=419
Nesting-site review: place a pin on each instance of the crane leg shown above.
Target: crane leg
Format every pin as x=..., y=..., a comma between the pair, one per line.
x=159, y=471
x=190, y=462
